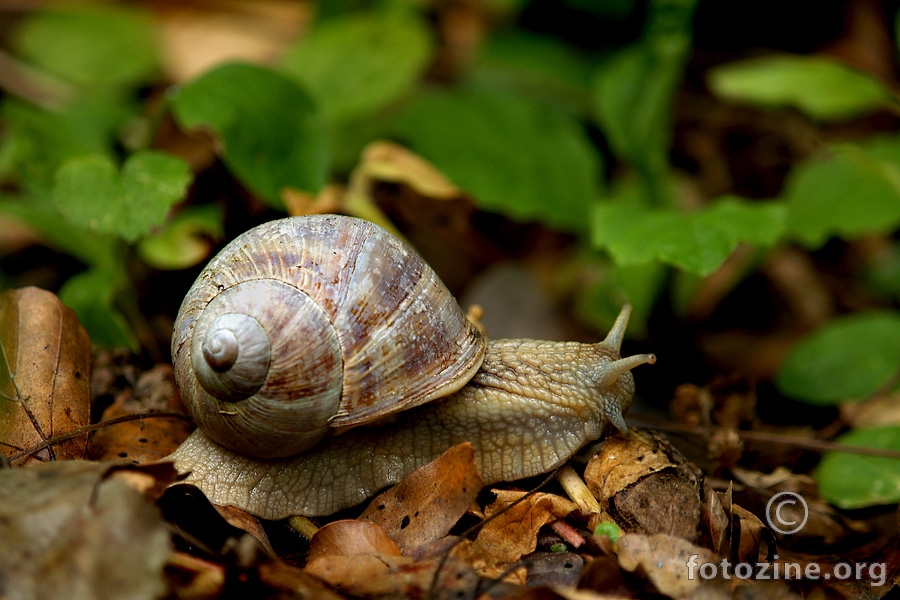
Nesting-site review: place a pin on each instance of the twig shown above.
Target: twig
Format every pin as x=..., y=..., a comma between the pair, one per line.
x=763, y=436
x=87, y=429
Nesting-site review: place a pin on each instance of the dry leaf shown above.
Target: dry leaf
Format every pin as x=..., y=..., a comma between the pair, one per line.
x=647, y=486
x=195, y=39
x=513, y=533
x=377, y=575
x=663, y=560
x=147, y=440
x=71, y=531
x=422, y=508
x=44, y=374
x=350, y=538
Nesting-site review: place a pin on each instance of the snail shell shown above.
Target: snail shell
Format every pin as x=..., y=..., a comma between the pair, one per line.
x=306, y=325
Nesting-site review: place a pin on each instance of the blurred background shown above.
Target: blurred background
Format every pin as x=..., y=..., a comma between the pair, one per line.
x=732, y=169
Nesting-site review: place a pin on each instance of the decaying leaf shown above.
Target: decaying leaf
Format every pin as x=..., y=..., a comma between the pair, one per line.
x=663, y=559
x=513, y=533
x=380, y=575
x=45, y=378
x=73, y=530
x=351, y=538
x=422, y=508
x=146, y=440
x=647, y=486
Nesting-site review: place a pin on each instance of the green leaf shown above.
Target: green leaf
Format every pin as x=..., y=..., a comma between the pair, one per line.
x=90, y=45
x=822, y=88
x=185, y=241
x=89, y=247
x=852, y=481
x=536, y=66
x=91, y=193
x=513, y=155
x=272, y=133
x=639, y=285
x=633, y=92
x=609, y=529
x=91, y=295
x=44, y=139
x=356, y=64
x=847, y=191
x=846, y=359
x=697, y=242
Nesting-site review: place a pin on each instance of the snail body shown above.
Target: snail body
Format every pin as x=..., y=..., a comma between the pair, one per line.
x=328, y=323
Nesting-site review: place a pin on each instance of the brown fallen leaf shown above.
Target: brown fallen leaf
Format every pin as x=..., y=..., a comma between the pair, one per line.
x=506, y=538
x=350, y=538
x=663, y=560
x=45, y=364
x=385, y=576
x=146, y=440
x=647, y=486
x=72, y=531
x=422, y=508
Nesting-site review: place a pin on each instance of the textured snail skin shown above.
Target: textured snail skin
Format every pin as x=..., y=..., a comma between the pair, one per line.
x=529, y=408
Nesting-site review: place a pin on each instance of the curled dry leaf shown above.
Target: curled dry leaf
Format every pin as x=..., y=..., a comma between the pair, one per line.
x=45, y=365
x=647, y=486
x=73, y=530
x=422, y=508
x=512, y=534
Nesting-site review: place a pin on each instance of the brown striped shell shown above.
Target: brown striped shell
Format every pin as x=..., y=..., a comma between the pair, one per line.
x=309, y=324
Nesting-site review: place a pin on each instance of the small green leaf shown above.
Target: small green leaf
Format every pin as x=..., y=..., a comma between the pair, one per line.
x=697, y=242
x=91, y=295
x=856, y=481
x=356, y=64
x=185, y=241
x=609, y=529
x=846, y=359
x=513, y=155
x=822, y=88
x=91, y=193
x=90, y=45
x=848, y=191
x=558, y=548
x=272, y=133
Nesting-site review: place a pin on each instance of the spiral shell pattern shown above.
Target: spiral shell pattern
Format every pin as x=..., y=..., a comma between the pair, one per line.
x=308, y=324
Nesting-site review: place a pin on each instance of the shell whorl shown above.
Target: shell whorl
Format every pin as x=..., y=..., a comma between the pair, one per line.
x=307, y=324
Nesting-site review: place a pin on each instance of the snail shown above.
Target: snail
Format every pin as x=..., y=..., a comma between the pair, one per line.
x=322, y=360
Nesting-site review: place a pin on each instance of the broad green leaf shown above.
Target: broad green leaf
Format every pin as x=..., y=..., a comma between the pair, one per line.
x=852, y=481
x=90, y=192
x=44, y=139
x=272, y=133
x=92, y=296
x=847, y=191
x=513, y=155
x=844, y=360
x=638, y=285
x=633, y=91
x=89, y=247
x=186, y=239
x=697, y=241
x=538, y=67
x=822, y=88
x=356, y=64
x=90, y=45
